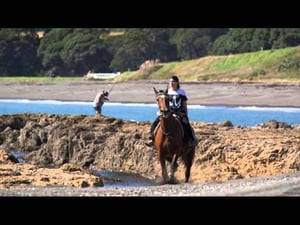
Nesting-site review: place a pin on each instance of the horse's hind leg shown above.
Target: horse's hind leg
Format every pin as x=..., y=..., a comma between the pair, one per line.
x=188, y=161
x=174, y=166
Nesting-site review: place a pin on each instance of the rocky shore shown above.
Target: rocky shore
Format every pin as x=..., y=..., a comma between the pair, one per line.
x=78, y=145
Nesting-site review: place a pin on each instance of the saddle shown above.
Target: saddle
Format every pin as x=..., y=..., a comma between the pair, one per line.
x=178, y=119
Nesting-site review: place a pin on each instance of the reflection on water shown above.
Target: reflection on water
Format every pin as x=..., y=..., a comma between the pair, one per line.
x=120, y=179
x=19, y=155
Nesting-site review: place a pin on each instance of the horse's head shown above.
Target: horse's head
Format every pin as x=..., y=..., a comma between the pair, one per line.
x=162, y=99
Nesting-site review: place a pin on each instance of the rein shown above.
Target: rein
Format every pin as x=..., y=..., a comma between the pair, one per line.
x=169, y=114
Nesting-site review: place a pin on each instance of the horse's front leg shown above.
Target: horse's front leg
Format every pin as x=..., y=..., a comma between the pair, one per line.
x=188, y=161
x=174, y=166
x=164, y=171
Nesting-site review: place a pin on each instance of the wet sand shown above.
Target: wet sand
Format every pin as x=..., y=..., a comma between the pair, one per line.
x=199, y=93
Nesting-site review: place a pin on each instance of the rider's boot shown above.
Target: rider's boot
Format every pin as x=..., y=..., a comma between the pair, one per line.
x=149, y=143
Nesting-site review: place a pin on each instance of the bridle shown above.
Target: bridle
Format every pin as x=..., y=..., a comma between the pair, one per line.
x=163, y=104
x=164, y=107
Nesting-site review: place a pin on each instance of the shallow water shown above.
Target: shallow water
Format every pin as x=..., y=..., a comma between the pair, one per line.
x=19, y=155
x=120, y=179
x=110, y=179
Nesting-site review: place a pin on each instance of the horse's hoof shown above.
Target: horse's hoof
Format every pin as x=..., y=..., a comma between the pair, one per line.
x=173, y=181
x=163, y=183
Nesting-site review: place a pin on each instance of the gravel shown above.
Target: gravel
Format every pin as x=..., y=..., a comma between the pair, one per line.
x=281, y=185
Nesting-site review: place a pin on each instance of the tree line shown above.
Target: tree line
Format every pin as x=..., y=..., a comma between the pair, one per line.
x=74, y=51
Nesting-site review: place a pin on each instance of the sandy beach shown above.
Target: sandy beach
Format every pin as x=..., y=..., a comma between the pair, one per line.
x=199, y=93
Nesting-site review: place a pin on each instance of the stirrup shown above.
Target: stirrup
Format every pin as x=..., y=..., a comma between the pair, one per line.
x=149, y=143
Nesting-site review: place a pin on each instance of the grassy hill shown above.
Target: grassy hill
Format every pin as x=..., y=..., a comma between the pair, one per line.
x=281, y=65
x=270, y=65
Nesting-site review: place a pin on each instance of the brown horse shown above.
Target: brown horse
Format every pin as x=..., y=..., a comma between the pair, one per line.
x=169, y=141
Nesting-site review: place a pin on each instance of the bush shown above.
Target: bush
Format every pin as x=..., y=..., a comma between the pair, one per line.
x=289, y=64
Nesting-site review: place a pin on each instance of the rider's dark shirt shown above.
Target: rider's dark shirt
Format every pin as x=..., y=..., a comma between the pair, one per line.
x=176, y=99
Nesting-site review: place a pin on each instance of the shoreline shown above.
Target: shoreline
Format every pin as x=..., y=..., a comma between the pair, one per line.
x=148, y=103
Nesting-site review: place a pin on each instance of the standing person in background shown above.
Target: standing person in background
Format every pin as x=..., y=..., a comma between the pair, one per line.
x=99, y=100
x=178, y=105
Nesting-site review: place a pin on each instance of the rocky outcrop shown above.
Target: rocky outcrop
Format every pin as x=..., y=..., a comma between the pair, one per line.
x=88, y=141
x=15, y=174
x=99, y=142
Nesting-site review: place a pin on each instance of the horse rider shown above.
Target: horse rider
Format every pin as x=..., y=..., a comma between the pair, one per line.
x=178, y=105
x=99, y=100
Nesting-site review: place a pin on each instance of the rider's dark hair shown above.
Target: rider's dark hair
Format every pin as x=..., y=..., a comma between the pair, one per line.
x=105, y=93
x=177, y=80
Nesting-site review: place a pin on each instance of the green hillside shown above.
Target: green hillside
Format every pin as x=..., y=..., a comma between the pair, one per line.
x=281, y=65
x=269, y=65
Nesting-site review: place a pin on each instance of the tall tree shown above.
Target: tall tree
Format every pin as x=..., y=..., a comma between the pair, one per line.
x=72, y=52
x=194, y=42
x=239, y=40
x=141, y=44
x=18, y=52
